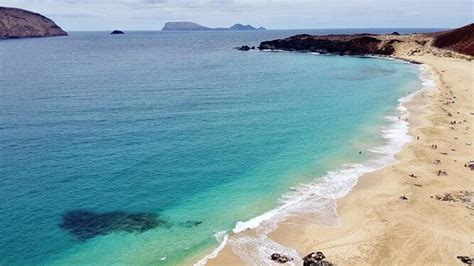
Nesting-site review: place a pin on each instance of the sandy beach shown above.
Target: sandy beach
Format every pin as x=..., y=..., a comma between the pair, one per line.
x=433, y=224
x=258, y=133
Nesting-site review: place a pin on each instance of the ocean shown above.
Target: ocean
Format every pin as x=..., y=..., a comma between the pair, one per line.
x=151, y=147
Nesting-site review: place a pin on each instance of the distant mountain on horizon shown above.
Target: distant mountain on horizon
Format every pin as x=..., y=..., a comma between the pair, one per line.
x=191, y=26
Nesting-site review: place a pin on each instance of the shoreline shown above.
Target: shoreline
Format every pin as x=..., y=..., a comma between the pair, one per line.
x=387, y=157
x=393, y=58
x=241, y=227
x=289, y=236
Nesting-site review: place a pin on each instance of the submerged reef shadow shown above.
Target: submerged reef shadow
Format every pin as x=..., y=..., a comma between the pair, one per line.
x=190, y=224
x=84, y=224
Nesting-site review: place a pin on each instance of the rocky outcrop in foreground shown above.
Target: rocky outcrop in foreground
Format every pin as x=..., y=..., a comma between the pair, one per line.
x=460, y=41
x=312, y=259
x=19, y=23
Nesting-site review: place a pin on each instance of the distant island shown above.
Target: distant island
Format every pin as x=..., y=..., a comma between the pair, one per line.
x=191, y=26
x=19, y=23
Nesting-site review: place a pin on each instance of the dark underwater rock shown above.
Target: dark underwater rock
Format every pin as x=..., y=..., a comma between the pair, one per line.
x=85, y=224
x=190, y=224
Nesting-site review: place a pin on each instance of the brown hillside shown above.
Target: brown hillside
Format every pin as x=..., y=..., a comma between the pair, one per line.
x=460, y=40
x=19, y=23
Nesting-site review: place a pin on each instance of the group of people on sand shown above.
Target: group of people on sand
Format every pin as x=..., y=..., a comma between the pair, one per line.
x=403, y=118
x=441, y=172
x=454, y=122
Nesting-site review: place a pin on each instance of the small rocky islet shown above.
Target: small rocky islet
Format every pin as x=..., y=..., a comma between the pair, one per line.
x=114, y=32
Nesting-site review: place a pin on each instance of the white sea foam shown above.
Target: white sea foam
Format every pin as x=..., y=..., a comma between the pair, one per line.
x=316, y=202
x=221, y=237
x=257, y=250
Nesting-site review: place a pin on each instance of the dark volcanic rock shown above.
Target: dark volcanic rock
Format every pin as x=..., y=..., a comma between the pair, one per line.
x=244, y=48
x=87, y=224
x=280, y=258
x=19, y=23
x=117, y=32
x=316, y=259
x=359, y=44
x=460, y=40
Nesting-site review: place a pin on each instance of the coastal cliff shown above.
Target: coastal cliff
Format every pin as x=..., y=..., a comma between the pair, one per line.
x=19, y=23
x=459, y=41
x=359, y=44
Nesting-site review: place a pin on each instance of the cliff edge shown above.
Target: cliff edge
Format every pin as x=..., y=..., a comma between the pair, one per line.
x=19, y=23
x=452, y=43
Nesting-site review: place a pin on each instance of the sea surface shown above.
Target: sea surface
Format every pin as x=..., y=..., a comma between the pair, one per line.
x=148, y=148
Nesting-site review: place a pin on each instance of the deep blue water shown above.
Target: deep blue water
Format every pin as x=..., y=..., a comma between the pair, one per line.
x=174, y=124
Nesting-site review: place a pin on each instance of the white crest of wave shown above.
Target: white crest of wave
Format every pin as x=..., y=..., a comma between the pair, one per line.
x=221, y=237
x=258, y=250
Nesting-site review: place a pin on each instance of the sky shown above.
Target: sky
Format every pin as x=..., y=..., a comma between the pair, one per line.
x=76, y=15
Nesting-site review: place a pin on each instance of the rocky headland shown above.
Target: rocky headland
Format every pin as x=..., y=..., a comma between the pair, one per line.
x=459, y=40
x=19, y=23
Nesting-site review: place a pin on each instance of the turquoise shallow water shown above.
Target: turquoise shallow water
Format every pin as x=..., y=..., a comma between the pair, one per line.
x=172, y=124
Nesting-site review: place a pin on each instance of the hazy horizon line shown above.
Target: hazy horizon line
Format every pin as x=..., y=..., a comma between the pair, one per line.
x=267, y=29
